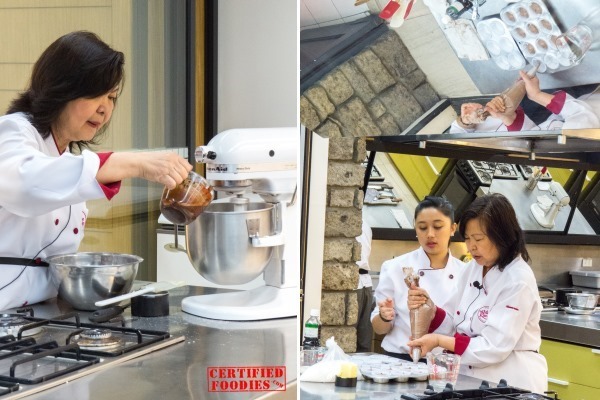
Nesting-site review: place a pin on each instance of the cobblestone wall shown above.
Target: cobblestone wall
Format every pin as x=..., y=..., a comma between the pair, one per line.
x=380, y=91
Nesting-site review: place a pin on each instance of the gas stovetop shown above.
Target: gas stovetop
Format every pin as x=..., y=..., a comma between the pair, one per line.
x=487, y=171
x=501, y=392
x=37, y=353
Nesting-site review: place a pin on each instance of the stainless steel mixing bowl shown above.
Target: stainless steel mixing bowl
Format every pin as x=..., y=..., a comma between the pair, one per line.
x=219, y=247
x=85, y=278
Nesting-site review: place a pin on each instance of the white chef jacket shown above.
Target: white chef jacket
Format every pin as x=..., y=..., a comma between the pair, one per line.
x=42, y=206
x=571, y=113
x=568, y=113
x=444, y=286
x=365, y=239
x=498, y=327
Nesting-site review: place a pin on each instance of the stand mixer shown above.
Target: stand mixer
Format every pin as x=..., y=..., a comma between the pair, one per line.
x=236, y=239
x=546, y=217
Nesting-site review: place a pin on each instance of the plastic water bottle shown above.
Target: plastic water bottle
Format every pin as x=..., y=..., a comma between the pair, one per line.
x=458, y=7
x=312, y=331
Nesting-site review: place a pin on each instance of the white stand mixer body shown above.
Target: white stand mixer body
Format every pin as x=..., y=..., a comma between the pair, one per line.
x=263, y=161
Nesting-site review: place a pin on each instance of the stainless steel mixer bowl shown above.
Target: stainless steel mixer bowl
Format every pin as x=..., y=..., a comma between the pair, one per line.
x=219, y=247
x=83, y=279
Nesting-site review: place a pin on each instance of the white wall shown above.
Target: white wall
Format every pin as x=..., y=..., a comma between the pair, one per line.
x=258, y=64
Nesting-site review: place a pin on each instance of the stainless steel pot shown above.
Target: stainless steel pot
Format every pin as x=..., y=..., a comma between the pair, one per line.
x=219, y=246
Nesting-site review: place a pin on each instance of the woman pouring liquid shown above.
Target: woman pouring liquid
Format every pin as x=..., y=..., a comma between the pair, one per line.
x=439, y=272
x=48, y=172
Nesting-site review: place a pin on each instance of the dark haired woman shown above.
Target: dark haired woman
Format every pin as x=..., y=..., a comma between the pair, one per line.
x=496, y=327
x=440, y=273
x=44, y=185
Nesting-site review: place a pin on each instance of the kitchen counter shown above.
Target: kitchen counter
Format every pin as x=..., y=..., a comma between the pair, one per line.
x=566, y=14
x=180, y=371
x=522, y=199
x=577, y=329
x=371, y=390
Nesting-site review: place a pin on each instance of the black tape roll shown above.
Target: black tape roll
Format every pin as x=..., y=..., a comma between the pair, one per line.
x=150, y=305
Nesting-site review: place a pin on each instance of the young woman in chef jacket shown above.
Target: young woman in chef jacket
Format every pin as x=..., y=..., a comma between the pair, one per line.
x=440, y=273
x=496, y=327
x=47, y=171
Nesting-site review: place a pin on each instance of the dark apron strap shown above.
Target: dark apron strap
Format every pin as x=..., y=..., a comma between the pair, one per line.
x=23, y=261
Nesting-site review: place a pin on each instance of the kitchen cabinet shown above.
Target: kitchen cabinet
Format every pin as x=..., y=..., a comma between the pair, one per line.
x=573, y=370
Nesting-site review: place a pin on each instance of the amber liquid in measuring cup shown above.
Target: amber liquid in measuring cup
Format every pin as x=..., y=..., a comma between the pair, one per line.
x=187, y=201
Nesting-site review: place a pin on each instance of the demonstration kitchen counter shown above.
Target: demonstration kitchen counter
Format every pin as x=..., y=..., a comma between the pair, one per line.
x=571, y=328
x=371, y=390
x=180, y=370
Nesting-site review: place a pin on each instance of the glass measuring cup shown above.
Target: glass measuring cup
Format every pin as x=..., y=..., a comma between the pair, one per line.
x=186, y=202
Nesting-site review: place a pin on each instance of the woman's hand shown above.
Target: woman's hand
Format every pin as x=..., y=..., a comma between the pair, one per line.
x=426, y=342
x=417, y=297
x=386, y=309
x=534, y=93
x=497, y=109
x=532, y=85
x=167, y=168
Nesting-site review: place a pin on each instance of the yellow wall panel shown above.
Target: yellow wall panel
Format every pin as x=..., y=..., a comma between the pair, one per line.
x=53, y=3
x=35, y=32
x=14, y=76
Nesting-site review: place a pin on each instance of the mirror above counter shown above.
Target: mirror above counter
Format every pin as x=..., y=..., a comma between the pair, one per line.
x=348, y=88
x=561, y=207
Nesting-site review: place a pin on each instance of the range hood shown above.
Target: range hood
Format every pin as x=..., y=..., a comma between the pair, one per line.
x=576, y=149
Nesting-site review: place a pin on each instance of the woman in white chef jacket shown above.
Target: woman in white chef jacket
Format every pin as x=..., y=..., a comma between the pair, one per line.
x=567, y=112
x=43, y=184
x=439, y=271
x=496, y=328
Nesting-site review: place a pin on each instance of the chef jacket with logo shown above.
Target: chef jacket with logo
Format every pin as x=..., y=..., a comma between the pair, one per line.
x=42, y=206
x=497, y=326
x=444, y=286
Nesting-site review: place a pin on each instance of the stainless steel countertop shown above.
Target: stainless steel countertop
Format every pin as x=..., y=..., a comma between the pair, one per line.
x=489, y=78
x=370, y=390
x=577, y=329
x=522, y=199
x=180, y=371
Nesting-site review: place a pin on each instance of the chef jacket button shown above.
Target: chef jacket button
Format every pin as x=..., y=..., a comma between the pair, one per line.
x=38, y=260
x=470, y=367
x=56, y=221
x=421, y=273
x=451, y=276
x=76, y=231
x=458, y=312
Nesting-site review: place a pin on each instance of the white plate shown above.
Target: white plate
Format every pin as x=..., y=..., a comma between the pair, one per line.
x=570, y=310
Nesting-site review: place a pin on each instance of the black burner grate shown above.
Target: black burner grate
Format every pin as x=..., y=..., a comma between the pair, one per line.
x=53, y=352
x=502, y=392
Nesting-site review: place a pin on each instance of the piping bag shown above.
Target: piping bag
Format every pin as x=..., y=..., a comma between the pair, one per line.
x=420, y=318
x=512, y=97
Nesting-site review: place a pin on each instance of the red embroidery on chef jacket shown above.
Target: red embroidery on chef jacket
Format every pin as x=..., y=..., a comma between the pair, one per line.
x=482, y=313
x=514, y=308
